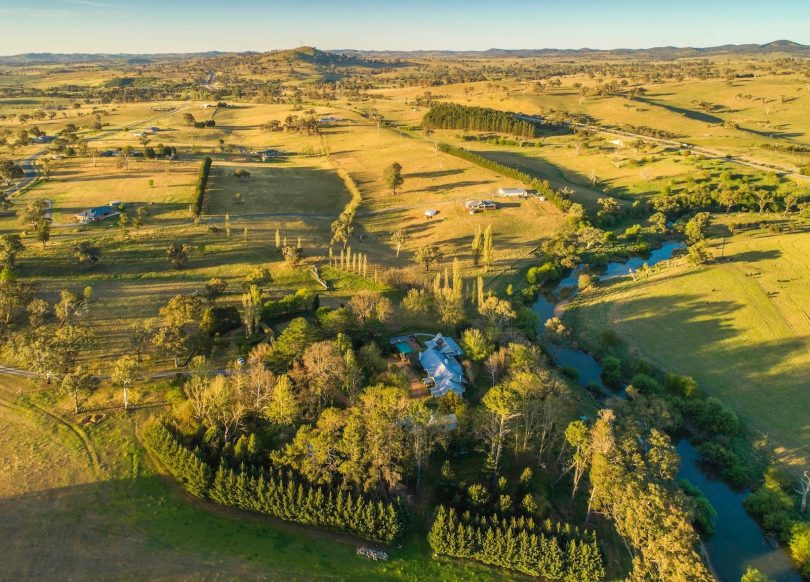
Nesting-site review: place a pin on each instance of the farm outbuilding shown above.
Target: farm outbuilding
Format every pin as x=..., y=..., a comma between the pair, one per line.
x=513, y=192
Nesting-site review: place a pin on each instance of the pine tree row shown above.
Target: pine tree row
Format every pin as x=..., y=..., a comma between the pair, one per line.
x=186, y=466
x=277, y=494
x=292, y=500
x=199, y=188
x=455, y=116
x=543, y=188
x=530, y=551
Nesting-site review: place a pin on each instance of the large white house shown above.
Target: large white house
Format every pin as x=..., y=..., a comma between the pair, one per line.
x=440, y=359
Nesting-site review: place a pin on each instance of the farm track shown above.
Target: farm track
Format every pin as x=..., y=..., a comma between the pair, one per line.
x=87, y=445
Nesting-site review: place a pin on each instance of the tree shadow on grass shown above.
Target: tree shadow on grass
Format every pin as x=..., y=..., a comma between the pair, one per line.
x=765, y=382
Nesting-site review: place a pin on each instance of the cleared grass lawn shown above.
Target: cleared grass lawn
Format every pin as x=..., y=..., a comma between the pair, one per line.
x=741, y=328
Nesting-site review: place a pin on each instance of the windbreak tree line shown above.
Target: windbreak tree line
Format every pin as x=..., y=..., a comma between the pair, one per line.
x=275, y=493
x=454, y=116
x=543, y=187
x=199, y=188
x=555, y=553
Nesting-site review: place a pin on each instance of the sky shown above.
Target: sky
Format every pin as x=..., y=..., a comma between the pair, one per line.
x=159, y=26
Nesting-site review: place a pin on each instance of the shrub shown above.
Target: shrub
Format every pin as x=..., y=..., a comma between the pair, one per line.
x=611, y=371
x=705, y=514
x=302, y=301
x=712, y=416
x=682, y=385
x=645, y=384
x=541, y=274
x=219, y=320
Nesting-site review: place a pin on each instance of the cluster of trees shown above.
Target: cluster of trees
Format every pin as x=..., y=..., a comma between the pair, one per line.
x=455, y=116
x=275, y=493
x=518, y=544
x=542, y=186
x=631, y=464
x=777, y=507
x=199, y=188
x=291, y=499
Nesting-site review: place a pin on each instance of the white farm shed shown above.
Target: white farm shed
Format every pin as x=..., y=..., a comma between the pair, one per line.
x=513, y=192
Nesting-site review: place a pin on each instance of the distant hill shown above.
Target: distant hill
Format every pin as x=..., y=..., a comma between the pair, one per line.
x=666, y=52
x=77, y=58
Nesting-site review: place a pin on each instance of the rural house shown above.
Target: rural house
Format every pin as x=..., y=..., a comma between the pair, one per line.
x=96, y=214
x=440, y=359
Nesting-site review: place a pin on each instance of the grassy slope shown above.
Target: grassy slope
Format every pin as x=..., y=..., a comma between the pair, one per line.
x=740, y=327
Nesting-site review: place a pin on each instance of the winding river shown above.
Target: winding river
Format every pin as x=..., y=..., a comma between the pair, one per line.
x=738, y=540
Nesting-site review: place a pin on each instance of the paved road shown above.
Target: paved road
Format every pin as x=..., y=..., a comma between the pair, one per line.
x=710, y=153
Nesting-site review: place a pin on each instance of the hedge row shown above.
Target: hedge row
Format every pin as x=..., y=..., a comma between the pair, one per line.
x=542, y=186
x=185, y=465
x=518, y=545
x=281, y=496
x=455, y=116
x=199, y=189
x=302, y=301
x=302, y=503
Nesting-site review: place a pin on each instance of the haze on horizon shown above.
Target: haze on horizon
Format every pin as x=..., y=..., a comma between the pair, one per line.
x=149, y=26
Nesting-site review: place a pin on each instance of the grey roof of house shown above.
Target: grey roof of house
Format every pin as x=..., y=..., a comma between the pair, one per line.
x=439, y=361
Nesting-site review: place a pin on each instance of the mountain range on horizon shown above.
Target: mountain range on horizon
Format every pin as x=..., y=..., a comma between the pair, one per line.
x=665, y=52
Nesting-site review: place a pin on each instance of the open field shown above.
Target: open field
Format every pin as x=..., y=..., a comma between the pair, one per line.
x=741, y=328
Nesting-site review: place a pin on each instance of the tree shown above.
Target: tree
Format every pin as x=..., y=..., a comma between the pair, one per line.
x=215, y=288
x=86, y=252
x=476, y=246
x=425, y=436
x=392, y=177
x=179, y=331
x=293, y=255
x=556, y=334
x=416, y=301
x=10, y=246
x=487, y=251
x=695, y=229
x=342, y=229
x=77, y=384
x=800, y=545
x=399, y=238
x=32, y=213
x=497, y=312
x=259, y=276
x=658, y=222
x=427, y=255
x=178, y=254
x=252, y=304
x=325, y=371
x=753, y=575
x=9, y=171
x=804, y=490
x=500, y=410
x=370, y=306
x=476, y=345
x=189, y=119
x=283, y=408
x=43, y=231
x=124, y=373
